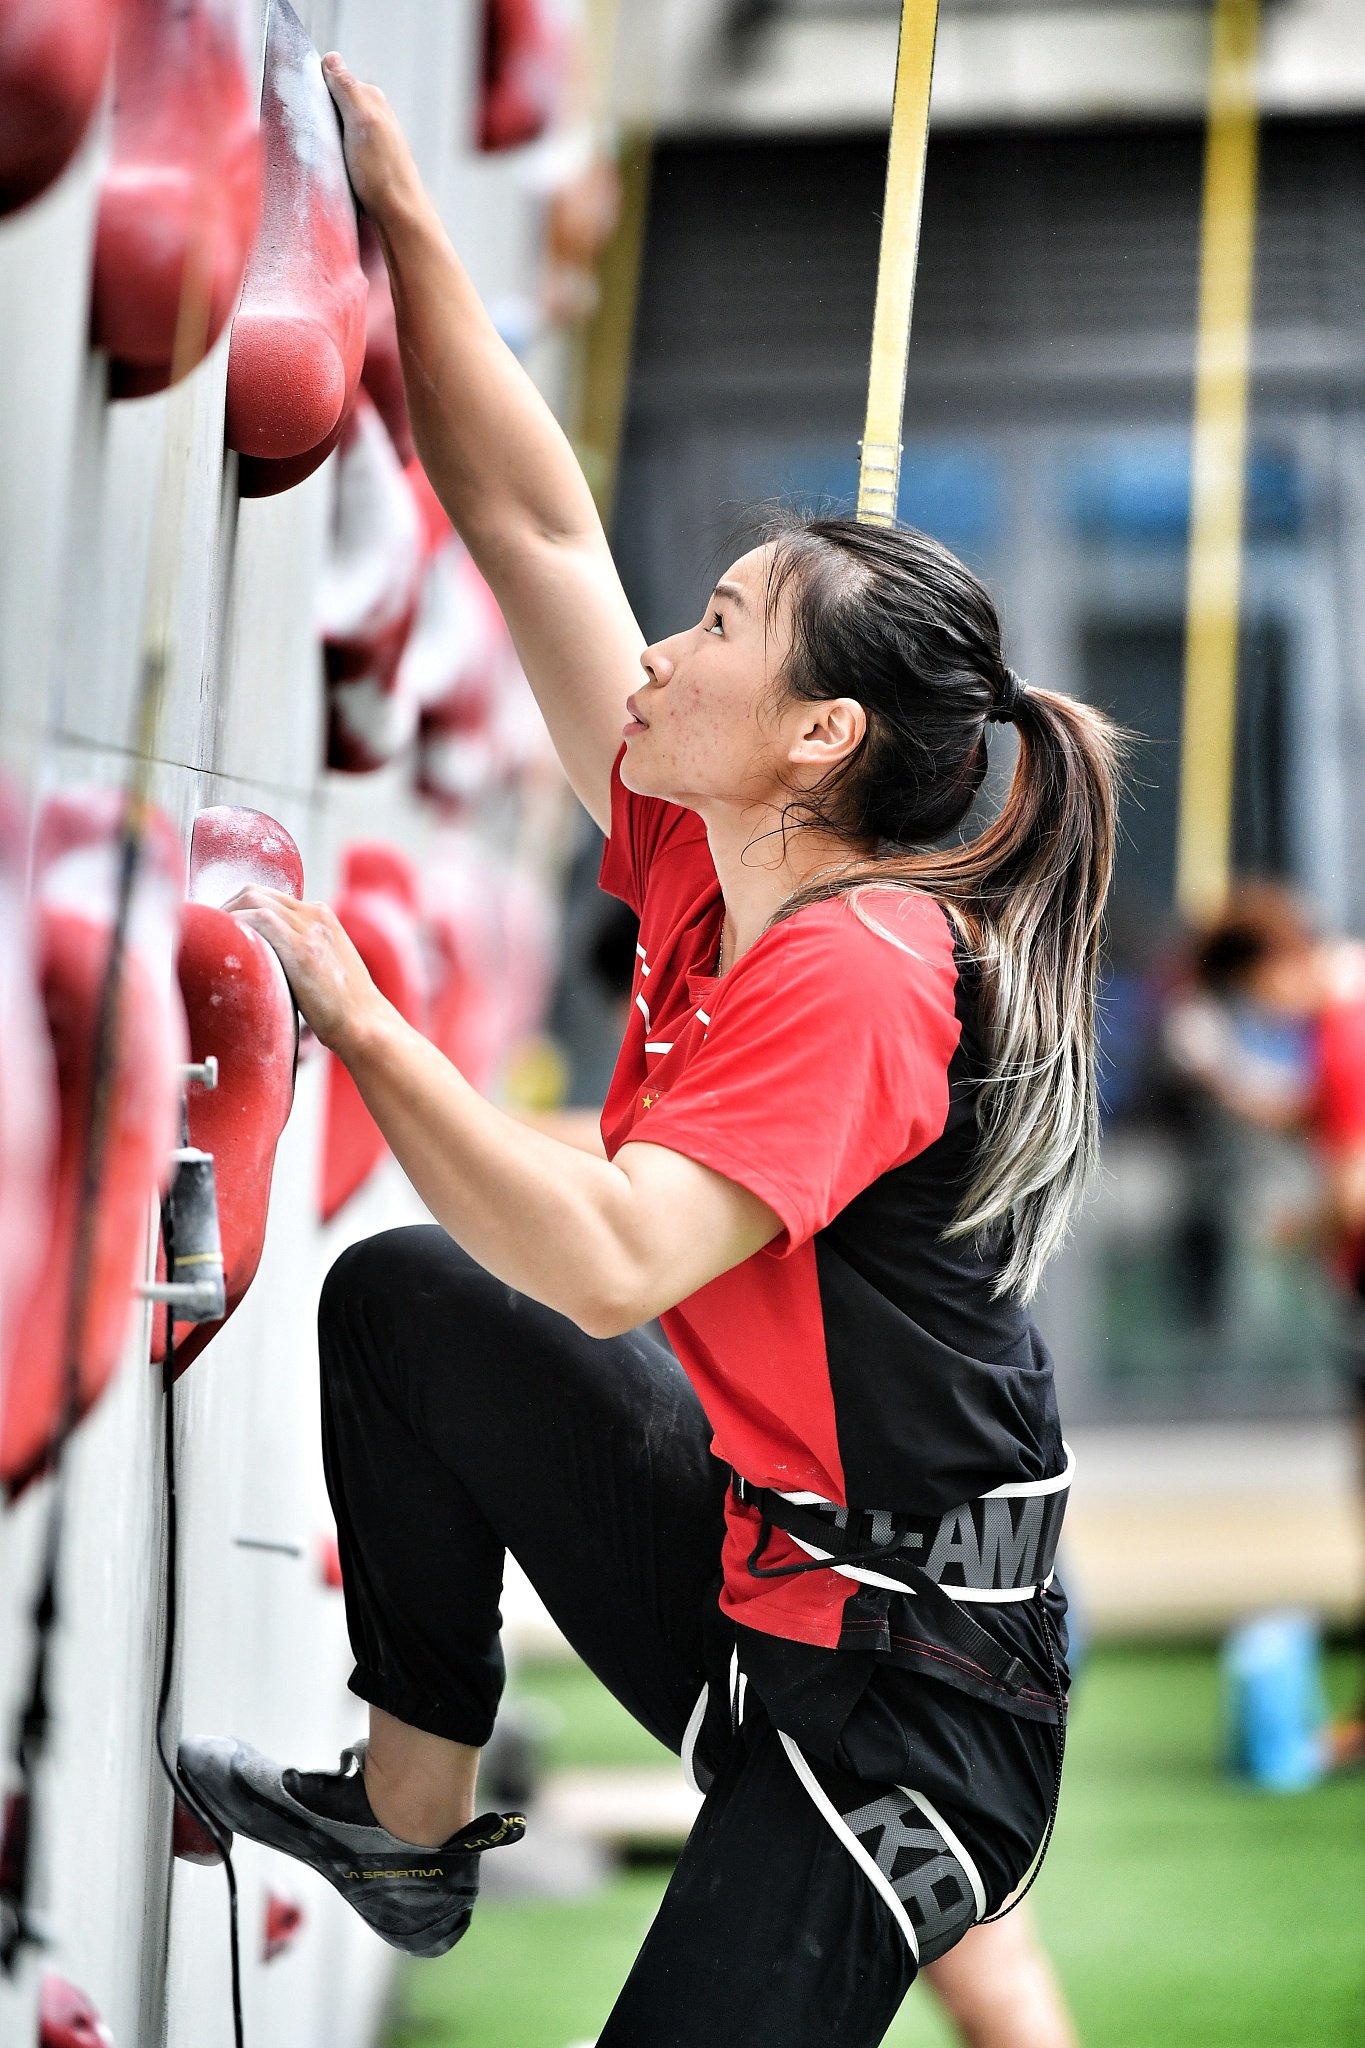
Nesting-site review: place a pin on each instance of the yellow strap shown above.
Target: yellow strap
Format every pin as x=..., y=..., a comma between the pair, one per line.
x=1218, y=471
x=880, y=466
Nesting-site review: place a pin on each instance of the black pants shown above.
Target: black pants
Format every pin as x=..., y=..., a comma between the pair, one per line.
x=462, y=1420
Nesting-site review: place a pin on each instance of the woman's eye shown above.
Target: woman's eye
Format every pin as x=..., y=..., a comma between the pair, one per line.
x=717, y=624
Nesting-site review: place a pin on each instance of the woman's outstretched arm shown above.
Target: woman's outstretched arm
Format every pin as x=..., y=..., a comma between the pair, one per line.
x=499, y=461
x=608, y=1243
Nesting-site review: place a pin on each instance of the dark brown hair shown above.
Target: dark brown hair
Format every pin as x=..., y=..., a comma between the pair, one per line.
x=891, y=618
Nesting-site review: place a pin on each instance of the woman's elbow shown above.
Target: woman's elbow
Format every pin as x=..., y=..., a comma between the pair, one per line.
x=607, y=1316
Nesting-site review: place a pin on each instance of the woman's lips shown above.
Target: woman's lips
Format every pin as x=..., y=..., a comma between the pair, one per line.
x=634, y=722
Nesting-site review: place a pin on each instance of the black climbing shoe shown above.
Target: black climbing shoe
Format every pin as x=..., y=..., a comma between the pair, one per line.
x=418, y=1899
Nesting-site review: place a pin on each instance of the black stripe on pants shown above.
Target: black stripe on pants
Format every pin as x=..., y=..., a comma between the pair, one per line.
x=460, y=1420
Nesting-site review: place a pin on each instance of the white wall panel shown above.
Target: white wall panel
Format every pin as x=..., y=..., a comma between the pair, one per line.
x=93, y=497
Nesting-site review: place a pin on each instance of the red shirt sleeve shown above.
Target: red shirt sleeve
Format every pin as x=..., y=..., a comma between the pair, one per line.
x=641, y=827
x=826, y=1060
x=1340, y=1106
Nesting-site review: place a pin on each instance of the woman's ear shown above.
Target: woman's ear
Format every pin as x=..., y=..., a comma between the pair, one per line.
x=829, y=732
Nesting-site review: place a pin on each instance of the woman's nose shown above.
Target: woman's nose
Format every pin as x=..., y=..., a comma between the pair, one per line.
x=657, y=662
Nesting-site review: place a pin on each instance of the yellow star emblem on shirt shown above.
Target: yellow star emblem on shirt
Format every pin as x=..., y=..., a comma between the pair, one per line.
x=647, y=1101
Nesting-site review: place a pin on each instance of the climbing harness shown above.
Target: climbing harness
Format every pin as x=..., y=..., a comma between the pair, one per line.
x=999, y=1548
x=880, y=462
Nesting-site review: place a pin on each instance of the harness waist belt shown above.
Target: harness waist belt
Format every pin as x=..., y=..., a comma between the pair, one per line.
x=999, y=1547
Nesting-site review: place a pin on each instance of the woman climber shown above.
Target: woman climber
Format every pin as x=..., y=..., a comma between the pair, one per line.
x=810, y=1545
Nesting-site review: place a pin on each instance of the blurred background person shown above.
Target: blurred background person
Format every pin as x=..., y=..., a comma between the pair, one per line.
x=1273, y=1027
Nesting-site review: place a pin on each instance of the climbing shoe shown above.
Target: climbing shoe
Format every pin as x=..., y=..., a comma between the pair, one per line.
x=418, y=1899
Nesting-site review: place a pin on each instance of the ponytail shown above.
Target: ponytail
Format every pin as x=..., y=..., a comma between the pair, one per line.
x=1025, y=896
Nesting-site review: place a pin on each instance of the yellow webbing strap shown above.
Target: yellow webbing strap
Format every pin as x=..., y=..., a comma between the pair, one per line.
x=1218, y=471
x=880, y=466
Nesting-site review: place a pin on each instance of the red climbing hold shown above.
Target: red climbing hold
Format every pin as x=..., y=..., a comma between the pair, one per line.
x=382, y=375
x=468, y=673
x=182, y=194
x=283, y=1925
x=329, y=1562
x=259, y=477
x=75, y=869
x=240, y=1012
x=53, y=57
x=298, y=341
x=525, y=56
x=234, y=848
x=191, y=1841
x=379, y=908
x=67, y=2019
x=367, y=596
x=28, y=1106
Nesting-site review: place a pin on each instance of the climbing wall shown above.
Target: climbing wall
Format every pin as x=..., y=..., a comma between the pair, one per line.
x=171, y=496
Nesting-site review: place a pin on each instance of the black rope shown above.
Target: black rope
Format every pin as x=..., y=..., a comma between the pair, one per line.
x=222, y=1840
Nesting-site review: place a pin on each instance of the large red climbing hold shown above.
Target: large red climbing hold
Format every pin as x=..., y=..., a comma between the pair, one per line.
x=379, y=908
x=60, y=1361
x=298, y=341
x=67, y=2019
x=28, y=1110
x=367, y=596
x=240, y=1012
x=53, y=58
x=525, y=58
x=191, y=1841
x=181, y=197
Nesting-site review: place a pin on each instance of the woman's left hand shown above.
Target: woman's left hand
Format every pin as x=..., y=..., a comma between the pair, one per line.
x=330, y=981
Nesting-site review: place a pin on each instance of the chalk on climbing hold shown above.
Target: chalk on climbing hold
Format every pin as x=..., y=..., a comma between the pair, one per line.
x=239, y=1011
x=298, y=339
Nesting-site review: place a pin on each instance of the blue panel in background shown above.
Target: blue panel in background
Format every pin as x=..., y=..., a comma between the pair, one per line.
x=953, y=490
x=1136, y=488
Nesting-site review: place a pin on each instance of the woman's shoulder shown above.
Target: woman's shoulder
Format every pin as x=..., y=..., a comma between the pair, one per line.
x=865, y=946
x=864, y=922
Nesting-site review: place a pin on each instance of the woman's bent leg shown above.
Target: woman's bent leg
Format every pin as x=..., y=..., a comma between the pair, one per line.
x=461, y=1419
x=771, y=1933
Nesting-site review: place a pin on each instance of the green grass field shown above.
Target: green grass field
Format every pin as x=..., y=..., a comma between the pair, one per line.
x=1182, y=1911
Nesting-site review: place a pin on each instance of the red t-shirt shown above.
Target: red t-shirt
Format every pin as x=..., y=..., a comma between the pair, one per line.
x=1337, y=1114
x=857, y=1356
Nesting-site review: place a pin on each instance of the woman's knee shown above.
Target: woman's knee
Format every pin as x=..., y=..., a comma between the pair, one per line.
x=383, y=1292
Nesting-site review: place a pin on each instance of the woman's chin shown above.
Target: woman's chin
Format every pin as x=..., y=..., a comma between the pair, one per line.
x=635, y=773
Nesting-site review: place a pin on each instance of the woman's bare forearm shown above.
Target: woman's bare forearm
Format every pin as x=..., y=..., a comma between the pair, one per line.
x=499, y=461
x=543, y=1216
x=493, y=449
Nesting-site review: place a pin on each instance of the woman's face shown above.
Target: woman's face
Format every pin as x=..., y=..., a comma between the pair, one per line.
x=702, y=723
x=711, y=721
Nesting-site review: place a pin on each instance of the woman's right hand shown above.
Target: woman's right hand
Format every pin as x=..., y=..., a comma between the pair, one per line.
x=378, y=159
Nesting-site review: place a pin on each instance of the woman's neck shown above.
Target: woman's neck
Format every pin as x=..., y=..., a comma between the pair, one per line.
x=760, y=869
